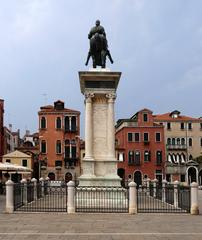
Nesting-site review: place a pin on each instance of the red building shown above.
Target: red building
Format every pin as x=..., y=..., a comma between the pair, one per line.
x=140, y=147
x=1, y=128
x=59, y=140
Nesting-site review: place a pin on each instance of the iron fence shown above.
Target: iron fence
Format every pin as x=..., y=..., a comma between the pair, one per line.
x=161, y=200
x=46, y=198
x=101, y=199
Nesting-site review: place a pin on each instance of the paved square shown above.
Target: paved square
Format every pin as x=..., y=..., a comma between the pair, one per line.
x=62, y=226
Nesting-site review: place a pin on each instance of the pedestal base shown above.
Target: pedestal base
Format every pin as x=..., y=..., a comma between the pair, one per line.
x=106, y=181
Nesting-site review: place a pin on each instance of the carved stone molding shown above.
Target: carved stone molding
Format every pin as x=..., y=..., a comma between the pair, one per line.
x=88, y=97
x=111, y=97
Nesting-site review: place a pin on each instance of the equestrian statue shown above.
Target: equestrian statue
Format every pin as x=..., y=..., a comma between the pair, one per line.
x=98, y=46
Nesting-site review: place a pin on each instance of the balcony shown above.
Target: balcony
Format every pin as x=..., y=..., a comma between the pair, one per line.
x=176, y=147
x=70, y=162
x=71, y=130
x=134, y=163
x=146, y=142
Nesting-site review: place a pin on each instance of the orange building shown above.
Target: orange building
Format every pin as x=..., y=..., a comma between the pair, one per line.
x=1, y=128
x=59, y=139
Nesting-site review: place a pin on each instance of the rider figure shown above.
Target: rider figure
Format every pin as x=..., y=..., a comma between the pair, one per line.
x=99, y=30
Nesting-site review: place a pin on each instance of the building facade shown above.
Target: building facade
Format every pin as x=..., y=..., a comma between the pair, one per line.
x=11, y=139
x=1, y=128
x=59, y=140
x=140, y=147
x=183, y=140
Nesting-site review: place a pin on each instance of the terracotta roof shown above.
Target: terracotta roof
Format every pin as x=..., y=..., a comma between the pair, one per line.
x=168, y=117
x=50, y=108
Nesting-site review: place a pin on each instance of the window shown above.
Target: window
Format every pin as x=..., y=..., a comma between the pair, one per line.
x=178, y=141
x=168, y=125
x=130, y=157
x=58, y=123
x=183, y=141
x=67, y=141
x=146, y=137
x=182, y=126
x=145, y=117
x=130, y=137
x=66, y=123
x=158, y=137
x=182, y=178
x=43, y=122
x=43, y=146
x=137, y=137
x=24, y=162
x=201, y=142
x=158, y=158
x=137, y=158
x=168, y=141
x=58, y=163
x=73, y=151
x=73, y=123
x=190, y=157
x=190, y=142
x=146, y=156
x=201, y=126
x=58, y=147
x=190, y=126
x=173, y=141
x=8, y=160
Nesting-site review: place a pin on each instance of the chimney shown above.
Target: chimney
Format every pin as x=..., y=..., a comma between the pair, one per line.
x=10, y=127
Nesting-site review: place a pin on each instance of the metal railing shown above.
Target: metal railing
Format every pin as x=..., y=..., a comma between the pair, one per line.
x=165, y=199
x=101, y=199
x=40, y=197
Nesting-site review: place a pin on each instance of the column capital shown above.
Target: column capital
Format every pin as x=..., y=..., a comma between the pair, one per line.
x=111, y=97
x=88, y=97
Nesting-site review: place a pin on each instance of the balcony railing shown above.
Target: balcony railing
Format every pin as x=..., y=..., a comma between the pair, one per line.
x=73, y=129
x=176, y=147
x=134, y=163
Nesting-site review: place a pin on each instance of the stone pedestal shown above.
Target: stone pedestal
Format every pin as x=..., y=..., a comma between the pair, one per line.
x=99, y=164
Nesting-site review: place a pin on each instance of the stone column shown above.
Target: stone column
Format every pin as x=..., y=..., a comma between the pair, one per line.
x=164, y=182
x=9, y=196
x=154, y=187
x=89, y=126
x=148, y=186
x=35, y=187
x=132, y=198
x=176, y=184
x=24, y=193
x=110, y=125
x=194, y=199
x=41, y=180
x=70, y=196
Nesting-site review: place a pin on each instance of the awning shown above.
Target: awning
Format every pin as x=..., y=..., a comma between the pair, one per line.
x=13, y=167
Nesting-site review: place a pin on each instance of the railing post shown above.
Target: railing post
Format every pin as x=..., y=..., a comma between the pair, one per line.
x=24, y=195
x=41, y=180
x=148, y=186
x=154, y=187
x=35, y=187
x=70, y=196
x=176, y=184
x=9, y=196
x=194, y=199
x=164, y=182
x=132, y=198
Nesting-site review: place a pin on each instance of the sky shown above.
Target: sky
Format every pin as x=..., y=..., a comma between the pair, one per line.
x=156, y=44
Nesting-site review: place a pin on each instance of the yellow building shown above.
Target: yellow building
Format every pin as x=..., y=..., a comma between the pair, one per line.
x=20, y=159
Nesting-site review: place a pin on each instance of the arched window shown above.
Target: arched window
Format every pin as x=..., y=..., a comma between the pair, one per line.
x=190, y=142
x=67, y=141
x=66, y=123
x=51, y=175
x=201, y=142
x=190, y=157
x=130, y=157
x=137, y=158
x=168, y=141
x=146, y=156
x=183, y=158
x=178, y=141
x=58, y=123
x=43, y=146
x=159, y=157
x=58, y=147
x=73, y=123
x=173, y=141
x=43, y=122
x=183, y=141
